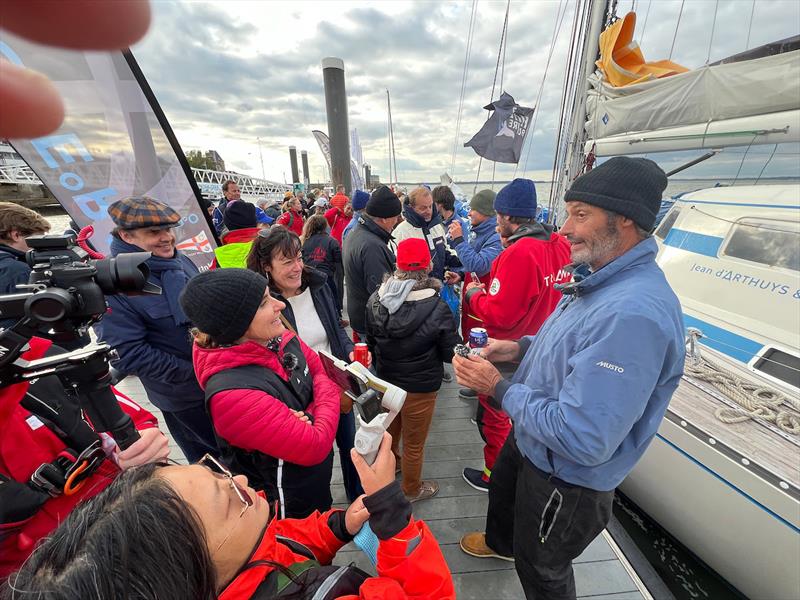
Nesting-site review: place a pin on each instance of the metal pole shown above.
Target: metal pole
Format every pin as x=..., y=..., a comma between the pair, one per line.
x=338, y=128
x=293, y=159
x=306, y=173
x=367, y=174
x=261, y=158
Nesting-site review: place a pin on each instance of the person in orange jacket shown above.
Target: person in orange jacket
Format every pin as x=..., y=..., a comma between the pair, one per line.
x=30, y=446
x=198, y=531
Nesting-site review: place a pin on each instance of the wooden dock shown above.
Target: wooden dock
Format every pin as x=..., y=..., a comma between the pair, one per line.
x=453, y=444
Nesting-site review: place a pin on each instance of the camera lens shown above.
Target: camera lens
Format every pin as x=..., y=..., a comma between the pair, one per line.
x=123, y=273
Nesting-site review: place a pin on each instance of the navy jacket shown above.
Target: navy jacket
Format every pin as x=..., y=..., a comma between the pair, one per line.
x=322, y=252
x=325, y=304
x=13, y=270
x=152, y=346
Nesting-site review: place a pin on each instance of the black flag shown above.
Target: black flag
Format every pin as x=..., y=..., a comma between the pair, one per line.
x=501, y=137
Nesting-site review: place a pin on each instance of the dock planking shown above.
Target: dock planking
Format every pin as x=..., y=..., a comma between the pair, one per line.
x=454, y=443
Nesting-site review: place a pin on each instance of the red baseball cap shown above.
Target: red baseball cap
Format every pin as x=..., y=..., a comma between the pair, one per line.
x=413, y=255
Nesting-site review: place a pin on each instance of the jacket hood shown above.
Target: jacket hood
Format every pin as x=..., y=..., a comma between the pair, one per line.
x=209, y=361
x=8, y=251
x=408, y=318
x=642, y=253
x=536, y=230
x=410, y=215
x=487, y=226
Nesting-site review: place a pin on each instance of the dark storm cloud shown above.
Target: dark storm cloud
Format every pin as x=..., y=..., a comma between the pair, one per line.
x=193, y=61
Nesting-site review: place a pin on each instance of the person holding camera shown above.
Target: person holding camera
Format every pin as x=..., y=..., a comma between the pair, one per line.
x=191, y=532
x=151, y=332
x=412, y=331
x=274, y=410
x=310, y=311
x=51, y=459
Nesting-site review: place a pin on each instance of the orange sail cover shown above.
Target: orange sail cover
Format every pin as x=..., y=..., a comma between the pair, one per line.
x=621, y=59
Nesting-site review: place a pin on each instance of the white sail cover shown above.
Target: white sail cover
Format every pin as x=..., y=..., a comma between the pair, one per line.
x=706, y=95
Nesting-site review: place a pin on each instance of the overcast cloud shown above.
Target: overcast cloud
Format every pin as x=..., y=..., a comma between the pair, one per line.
x=227, y=73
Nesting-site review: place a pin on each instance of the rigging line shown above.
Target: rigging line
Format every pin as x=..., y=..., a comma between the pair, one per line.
x=750, y=25
x=769, y=160
x=556, y=29
x=677, y=25
x=644, y=27
x=713, y=27
x=744, y=156
x=465, y=74
x=494, y=83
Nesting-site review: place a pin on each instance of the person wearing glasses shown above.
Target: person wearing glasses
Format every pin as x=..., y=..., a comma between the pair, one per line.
x=273, y=408
x=199, y=532
x=311, y=311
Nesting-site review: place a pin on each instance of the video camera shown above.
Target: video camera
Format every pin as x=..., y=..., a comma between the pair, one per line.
x=375, y=401
x=63, y=297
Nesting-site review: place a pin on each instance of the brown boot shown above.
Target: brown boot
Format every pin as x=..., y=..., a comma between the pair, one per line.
x=474, y=544
x=428, y=489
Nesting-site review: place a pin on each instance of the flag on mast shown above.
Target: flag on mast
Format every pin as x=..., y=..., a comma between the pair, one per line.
x=502, y=136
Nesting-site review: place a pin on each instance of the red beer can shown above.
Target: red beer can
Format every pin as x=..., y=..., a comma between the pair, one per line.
x=361, y=354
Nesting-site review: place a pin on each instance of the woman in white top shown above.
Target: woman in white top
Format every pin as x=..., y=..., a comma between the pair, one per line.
x=312, y=312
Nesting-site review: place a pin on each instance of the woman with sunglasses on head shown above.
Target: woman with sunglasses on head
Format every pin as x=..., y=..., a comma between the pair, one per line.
x=310, y=310
x=273, y=409
x=197, y=532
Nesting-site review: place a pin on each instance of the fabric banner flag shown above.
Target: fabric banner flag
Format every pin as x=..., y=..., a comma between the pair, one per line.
x=325, y=147
x=501, y=137
x=114, y=142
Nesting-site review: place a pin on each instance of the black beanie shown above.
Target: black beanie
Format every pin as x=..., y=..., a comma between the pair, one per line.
x=383, y=203
x=240, y=215
x=223, y=302
x=631, y=187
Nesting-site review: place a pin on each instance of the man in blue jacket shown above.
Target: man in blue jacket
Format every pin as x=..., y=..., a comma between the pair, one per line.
x=151, y=332
x=592, y=387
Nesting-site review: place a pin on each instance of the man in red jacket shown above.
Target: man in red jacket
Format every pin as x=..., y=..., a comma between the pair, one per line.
x=30, y=450
x=519, y=299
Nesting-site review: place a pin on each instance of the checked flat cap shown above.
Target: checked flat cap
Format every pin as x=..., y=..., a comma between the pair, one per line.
x=137, y=212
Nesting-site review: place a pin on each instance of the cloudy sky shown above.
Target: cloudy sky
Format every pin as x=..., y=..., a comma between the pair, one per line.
x=228, y=73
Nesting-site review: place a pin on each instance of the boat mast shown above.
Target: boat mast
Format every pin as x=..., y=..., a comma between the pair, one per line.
x=573, y=162
x=392, y=152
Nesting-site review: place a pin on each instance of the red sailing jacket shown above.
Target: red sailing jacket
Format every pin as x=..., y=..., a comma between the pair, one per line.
x=405, y=570
x=292, y=220
x=338, y=221
x=25, y=443
x=254, y=420
x=520, y=295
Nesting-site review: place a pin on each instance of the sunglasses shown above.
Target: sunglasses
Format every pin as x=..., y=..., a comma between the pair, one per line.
x=217, y=468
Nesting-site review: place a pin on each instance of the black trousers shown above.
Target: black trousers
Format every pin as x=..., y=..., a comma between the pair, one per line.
x=542, y=521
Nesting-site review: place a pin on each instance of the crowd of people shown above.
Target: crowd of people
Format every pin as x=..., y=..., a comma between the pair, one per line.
x=585, y=348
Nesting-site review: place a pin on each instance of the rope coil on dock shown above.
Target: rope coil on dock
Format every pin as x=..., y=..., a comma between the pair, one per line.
x=755, y=401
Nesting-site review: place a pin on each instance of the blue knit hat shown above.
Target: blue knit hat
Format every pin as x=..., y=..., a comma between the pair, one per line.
x=360, y=200
x=517, y=199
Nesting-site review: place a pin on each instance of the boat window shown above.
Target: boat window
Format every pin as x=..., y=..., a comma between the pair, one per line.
x=772, y=243
x=668, y=222
x=780, y=365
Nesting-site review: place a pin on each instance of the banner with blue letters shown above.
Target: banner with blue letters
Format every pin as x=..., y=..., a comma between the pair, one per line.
x=114, y=142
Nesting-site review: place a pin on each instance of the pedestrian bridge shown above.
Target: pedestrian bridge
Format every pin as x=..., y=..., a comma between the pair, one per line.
x=210, y=182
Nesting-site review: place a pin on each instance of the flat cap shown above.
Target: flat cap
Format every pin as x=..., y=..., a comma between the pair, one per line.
x=137, y=212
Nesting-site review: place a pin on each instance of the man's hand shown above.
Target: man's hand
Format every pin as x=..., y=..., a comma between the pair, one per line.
x=454, y=230
x=451, y=278
x=472, y=285
x=500, y=350
x=356, y=515
x=476, y=373
x=152, y=446
x=381, y=472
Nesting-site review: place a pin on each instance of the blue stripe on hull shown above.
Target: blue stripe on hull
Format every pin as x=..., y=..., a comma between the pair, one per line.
x=730, y=344
x=728, y=483
x=707, y=245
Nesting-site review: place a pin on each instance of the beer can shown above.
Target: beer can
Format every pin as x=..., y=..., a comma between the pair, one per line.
x=361, y=353
x=478, y=337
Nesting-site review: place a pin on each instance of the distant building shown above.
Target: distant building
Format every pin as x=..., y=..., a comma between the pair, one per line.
x=214, y=157
x=374, y=180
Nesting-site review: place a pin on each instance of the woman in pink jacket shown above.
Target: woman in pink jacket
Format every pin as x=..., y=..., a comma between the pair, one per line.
x=274, y=410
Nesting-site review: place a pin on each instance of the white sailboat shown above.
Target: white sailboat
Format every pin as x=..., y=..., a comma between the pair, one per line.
x=723, y=474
